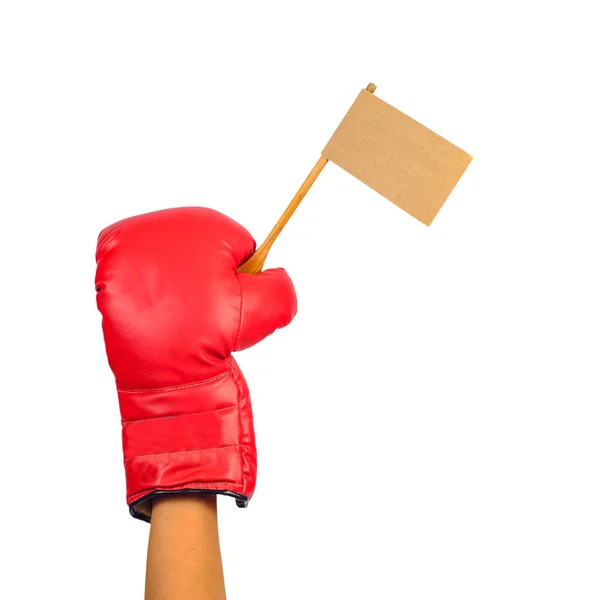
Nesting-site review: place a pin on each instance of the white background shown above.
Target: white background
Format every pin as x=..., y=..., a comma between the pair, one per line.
x=428, y=427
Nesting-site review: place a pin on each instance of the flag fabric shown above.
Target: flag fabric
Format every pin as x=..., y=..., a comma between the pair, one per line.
x=396, y=156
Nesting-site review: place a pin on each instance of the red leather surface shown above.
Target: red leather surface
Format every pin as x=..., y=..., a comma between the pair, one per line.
x=174, y=308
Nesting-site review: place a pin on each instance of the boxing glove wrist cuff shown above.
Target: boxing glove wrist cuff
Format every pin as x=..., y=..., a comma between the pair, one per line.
x=196, y=440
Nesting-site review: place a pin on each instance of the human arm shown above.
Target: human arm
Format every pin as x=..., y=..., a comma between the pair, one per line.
x=184, y=556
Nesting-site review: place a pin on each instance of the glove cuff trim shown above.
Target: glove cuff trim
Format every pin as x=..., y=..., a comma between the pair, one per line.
x=142, y=508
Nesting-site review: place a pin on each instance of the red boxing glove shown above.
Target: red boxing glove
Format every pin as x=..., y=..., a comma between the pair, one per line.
x=174, y=308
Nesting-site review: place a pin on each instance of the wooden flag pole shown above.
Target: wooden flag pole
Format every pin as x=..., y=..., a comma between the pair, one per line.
x=255, y=263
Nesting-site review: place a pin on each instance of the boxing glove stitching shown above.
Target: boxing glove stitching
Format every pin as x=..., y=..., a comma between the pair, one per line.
x=239, y=397
x=213, y=482
x=239, y=331
x=171, y=388
x=181, y=451
x=202, y=412
x=186, y=486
